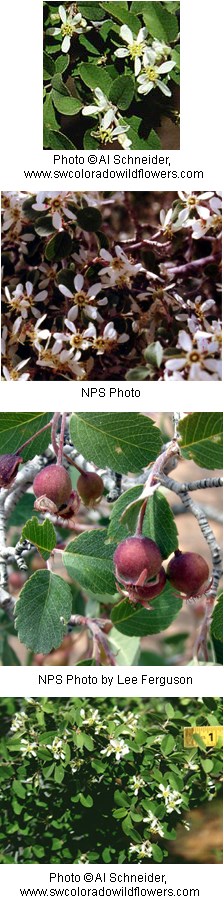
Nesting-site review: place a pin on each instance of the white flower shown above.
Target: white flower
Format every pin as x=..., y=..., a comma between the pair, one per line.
x=18, y=721
x=54, y=204
x=106, y=132
x=22, y=300
x=151, y=77
x=155, y=826
x=71, y=25
x=162, y=50
x=35, y=335
x=119, y=268
x=136, y=784
x=143, y=850
x=102, y=105
x=116, y=747
x=106, y=341
x=135, y=46
x=75, y=338
x=56, y=359
x=4, y=340
x=192, y=203
x=13, y=373
x=56, y=748
x=28, y=749
x=168, y=223
x=172, y=798
x=82, y=299
x=197, y=362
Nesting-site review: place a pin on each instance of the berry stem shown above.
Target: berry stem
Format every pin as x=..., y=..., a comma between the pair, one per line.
x=141, y=515
x=61, y=442
x=39, y=432
x=54, y=432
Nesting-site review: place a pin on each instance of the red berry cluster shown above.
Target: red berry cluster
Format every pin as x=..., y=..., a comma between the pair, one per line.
x=140, y=575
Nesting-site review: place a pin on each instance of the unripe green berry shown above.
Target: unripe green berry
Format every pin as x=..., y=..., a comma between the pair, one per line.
x=90, y=488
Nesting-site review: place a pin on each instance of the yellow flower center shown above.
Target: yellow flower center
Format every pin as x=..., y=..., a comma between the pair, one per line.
x=103, y=344
x=76, y=341
x=136, y=49
x=191, y=201
x=81, y=299
x=152, y=75
x=67, y=29
x=216, y=222
x=195, y=357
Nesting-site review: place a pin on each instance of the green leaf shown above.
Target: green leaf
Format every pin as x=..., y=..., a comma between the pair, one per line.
x=154, y=353
x=201, y=439
x=159, y=524
x=207, y=765
x=16, y=428
x=42, y=611
x=60, y=246
x=49, y=67
x=42, y=535
x=88, y=560
x=169, y=710
x=160, y=23
x=95, y=77
x=19, y=790
x=117, y=530
x=59, y=773
x=22, y=511
x=125, y=442
x=167, y=745
x=217, y=619
x=137, y=374
x=8, y=655
x=121, y=12
x=126, y=650
x=62, y=62
x=152, y=142
x=92, y=11
x=122, y=92
x=119, y=813
x=43, y=225
x=89, y=219
x=157, y=853
x=89, y=142
x=86, y=801
x=68, y=105
x=59, y=85
x=134, y=620
x=58, y=141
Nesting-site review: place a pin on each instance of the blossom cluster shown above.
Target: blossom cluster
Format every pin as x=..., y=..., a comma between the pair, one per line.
x=79, y=300
x=97, y=68
x=88, y=804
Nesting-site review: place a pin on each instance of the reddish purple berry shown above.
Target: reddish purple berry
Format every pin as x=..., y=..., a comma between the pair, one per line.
x=188, y=572
x=136, y=560
x=53, y=482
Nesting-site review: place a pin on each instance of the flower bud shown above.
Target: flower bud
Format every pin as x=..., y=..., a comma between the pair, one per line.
x=9, y=465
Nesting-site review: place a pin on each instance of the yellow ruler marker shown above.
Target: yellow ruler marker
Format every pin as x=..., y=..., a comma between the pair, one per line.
x=209, y=735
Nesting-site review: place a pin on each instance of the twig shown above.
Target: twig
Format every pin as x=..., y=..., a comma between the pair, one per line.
x=196, y=265
x=183, y=492
x=61, y=442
